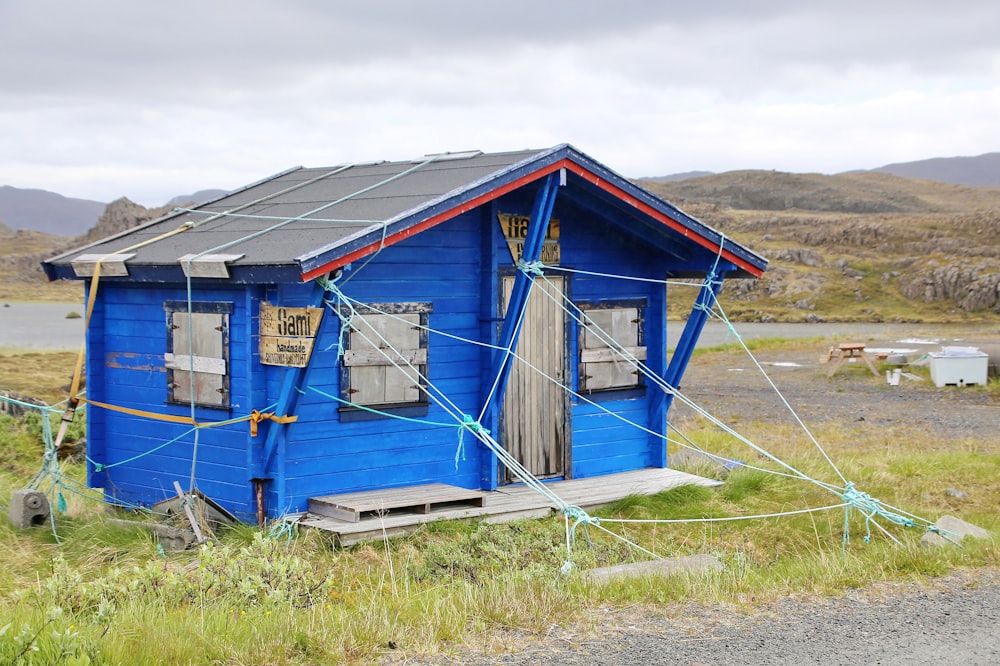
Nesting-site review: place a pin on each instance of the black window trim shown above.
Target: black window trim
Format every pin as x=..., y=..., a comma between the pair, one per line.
x=641, y=304
x=349, y=413
x=199, y=307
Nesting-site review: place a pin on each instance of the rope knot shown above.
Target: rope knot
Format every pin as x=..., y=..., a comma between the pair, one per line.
x=530, y=267
x=256, y=417
x=579, y=517
x=473, y=425
x=872, y=508
x=859, y=500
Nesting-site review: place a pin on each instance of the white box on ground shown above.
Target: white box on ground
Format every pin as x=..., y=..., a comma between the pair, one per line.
x=959, y=366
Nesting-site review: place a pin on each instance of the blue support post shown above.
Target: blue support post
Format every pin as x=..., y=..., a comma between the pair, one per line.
x=538, y=225
x=287, y=399
x=692, y=331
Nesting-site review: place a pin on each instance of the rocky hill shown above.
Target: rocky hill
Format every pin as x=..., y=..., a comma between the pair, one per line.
x=21, y=276
x=861, y=246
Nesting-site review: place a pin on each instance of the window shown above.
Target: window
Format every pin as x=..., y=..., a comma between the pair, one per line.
x=384, y=341
x=602, y=366
x=198, y=353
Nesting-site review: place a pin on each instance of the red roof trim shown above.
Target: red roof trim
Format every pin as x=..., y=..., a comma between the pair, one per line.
x=431, y=222
x=564, y=163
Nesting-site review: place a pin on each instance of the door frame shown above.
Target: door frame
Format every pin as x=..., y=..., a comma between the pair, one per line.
x=569, y=370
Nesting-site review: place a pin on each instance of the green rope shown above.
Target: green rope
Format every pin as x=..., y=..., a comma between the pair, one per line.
x=284, y=528
x=531, y=267
x=473, y=426
x=870, y=507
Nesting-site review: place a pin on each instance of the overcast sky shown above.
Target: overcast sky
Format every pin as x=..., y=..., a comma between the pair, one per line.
x=103, y=99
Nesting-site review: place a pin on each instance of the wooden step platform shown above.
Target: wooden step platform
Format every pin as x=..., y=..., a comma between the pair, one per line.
x=352, y=507
x=506, y=503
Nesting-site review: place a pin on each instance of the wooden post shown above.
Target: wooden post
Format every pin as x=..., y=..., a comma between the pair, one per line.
x=186, y=503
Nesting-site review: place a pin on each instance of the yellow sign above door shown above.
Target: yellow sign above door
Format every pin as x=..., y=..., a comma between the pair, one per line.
x=515, y=230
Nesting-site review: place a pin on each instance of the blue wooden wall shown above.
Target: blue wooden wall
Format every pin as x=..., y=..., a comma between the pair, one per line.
x=325, y=453
x=602, y=443
x=126, y=340
x=453, y=266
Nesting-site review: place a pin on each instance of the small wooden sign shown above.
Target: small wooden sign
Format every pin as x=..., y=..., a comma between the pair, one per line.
x=515, y=230
x=287, y=335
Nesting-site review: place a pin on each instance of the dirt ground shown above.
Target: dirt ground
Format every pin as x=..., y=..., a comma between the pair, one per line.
x=735, y=390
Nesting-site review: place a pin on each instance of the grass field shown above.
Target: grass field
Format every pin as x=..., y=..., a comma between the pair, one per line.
x=90, y=591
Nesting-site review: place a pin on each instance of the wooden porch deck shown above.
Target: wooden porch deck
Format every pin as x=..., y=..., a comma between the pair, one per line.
x=504, y=504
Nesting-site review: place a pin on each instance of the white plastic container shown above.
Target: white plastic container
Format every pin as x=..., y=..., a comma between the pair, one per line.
x=959, y=366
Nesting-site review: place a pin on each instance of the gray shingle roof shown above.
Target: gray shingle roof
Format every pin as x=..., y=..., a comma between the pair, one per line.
x=301, y=217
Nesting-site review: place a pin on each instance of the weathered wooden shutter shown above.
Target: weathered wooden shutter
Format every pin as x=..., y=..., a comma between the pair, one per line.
x=602, y=365
x=378, y=344
x=199, y=343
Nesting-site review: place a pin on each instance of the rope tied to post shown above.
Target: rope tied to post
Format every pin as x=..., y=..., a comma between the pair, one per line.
x=472, y=425
x=531, y=267
x=257, y=416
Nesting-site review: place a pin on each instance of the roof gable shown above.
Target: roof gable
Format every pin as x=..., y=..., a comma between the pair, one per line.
x=303, y=223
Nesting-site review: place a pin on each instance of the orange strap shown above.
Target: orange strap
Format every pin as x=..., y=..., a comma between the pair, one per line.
x=144, y=414
x=256, y=417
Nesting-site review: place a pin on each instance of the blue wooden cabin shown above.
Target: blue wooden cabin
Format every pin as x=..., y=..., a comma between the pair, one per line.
x=371, y=304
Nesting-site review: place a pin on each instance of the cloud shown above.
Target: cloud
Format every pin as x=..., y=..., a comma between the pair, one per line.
x=115, y=98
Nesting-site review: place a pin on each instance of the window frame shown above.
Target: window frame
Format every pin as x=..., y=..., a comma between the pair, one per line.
x=195, y=308
x=370, y=411
x=640, y=305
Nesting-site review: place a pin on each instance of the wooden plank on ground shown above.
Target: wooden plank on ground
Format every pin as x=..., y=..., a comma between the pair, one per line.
x=351, y=507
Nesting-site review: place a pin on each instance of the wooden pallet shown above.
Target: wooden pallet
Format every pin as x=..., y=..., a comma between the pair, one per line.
x=511, y=502
x=353, y=507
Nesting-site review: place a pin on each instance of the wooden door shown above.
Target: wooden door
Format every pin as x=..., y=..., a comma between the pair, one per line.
x=534, y=408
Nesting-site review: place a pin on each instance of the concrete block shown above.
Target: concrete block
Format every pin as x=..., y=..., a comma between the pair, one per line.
x=691, y=564
x=28, y=508
x=956, y=529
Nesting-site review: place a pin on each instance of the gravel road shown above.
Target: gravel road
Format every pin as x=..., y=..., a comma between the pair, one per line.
x=953, y=620
x=950, y=620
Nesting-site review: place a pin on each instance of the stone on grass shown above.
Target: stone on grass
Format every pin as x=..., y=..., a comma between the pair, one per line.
x=954, y=529
x=168, y=536
x=690, y=564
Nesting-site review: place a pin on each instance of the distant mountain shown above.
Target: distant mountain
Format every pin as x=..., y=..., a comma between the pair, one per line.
x=199, y=197
x=982, y=170
x=979, y=171
x=47, y=212
x=51, y=213
x=859, y=192
x=675, y=177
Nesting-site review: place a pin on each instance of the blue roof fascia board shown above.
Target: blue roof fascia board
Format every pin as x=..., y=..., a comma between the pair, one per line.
x=441, y=204
x=174, y=274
